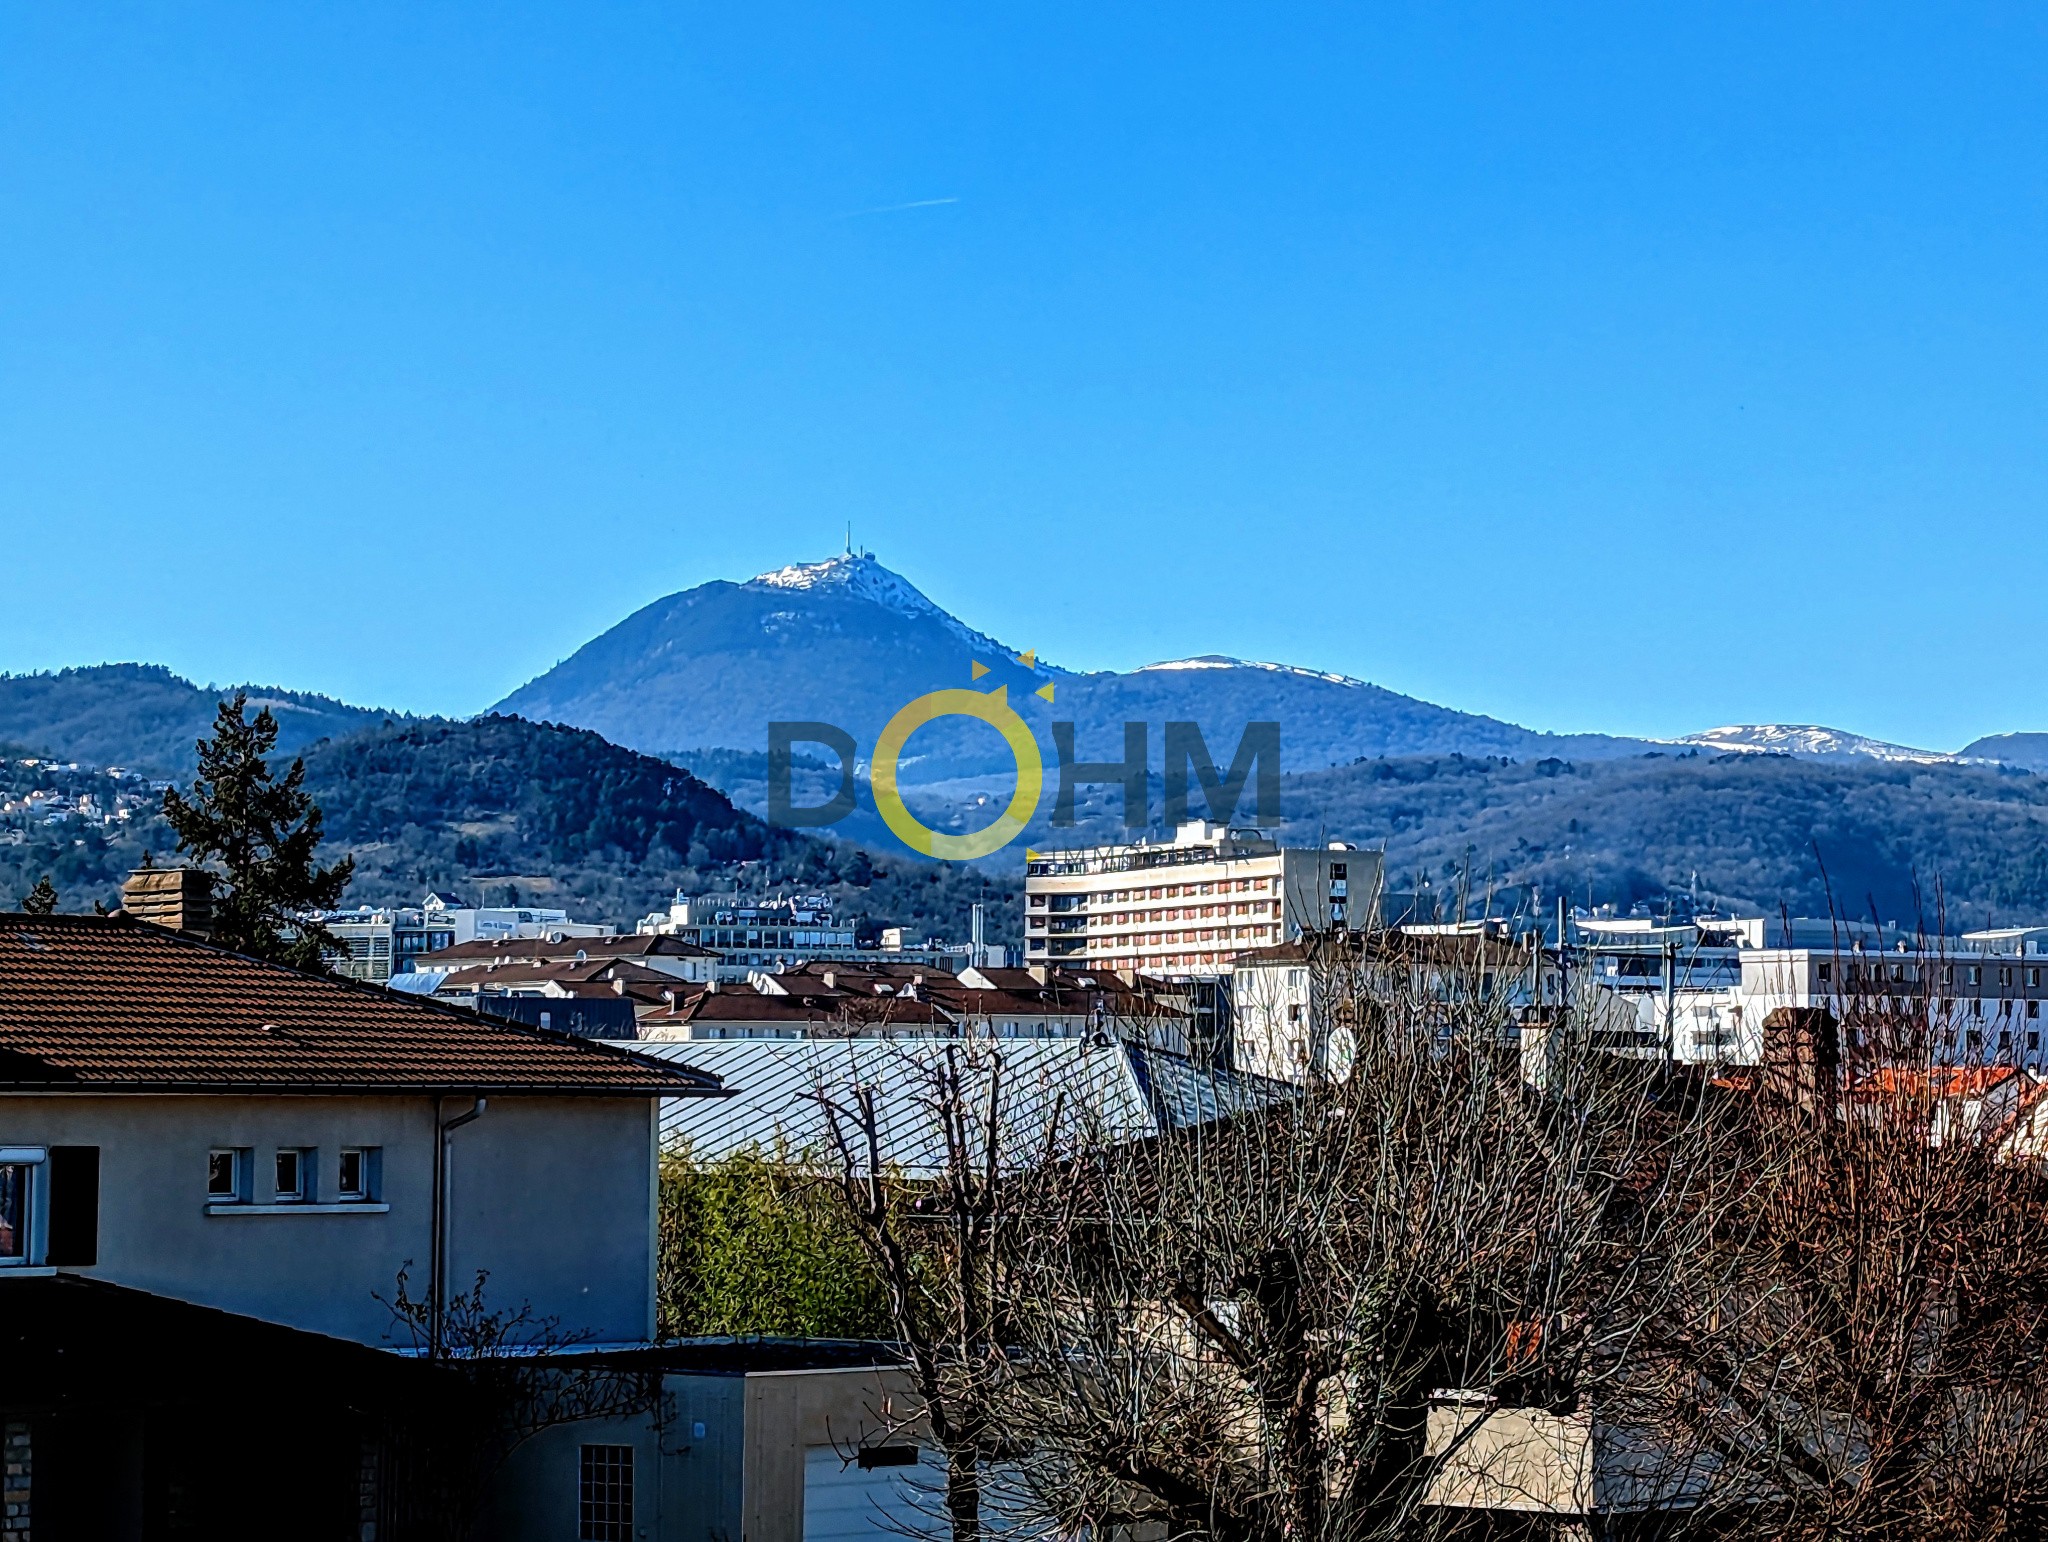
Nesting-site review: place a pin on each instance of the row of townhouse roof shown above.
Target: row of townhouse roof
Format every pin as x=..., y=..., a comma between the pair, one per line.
x=660, y=987
x=382, y=943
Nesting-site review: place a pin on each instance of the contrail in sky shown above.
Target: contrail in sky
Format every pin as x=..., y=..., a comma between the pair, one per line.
x=898, y=208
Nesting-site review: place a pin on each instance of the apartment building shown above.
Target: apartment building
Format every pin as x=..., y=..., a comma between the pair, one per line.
x=755, y=932
x=378, y=943
x=1183, y=907
x=1980, y=995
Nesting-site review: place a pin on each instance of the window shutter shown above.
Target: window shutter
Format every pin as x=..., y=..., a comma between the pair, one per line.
x=74, y=1206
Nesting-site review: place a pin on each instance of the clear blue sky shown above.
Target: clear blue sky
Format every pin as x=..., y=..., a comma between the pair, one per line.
x=1638, y=368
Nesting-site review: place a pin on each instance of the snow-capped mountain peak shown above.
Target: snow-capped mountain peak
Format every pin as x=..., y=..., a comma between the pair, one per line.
x=859, y=575
x=1807, y=740
x=1225, y=661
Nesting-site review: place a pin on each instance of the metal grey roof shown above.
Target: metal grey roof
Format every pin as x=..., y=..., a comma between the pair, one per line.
x=1051, y=1095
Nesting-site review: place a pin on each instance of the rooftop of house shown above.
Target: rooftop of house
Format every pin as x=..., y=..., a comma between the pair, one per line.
x=593, y=977
x=1050, y=1095
x=99, y=1004
x=749, y=1356
x=568, y=950
x=1392, y=946
x=812, y=1010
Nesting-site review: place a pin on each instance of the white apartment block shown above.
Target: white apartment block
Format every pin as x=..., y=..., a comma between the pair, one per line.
x=1184, y=907
x=1981, y=993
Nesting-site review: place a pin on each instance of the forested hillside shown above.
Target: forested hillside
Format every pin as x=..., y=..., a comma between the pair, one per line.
x=144, y=717
x=1754, y=830
x=502, y=810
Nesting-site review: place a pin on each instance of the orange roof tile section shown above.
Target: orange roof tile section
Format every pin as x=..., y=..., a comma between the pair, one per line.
x=107, y=1004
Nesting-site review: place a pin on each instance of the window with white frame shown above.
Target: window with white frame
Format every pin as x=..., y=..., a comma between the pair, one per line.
x=227, y=1174
x=358, y=1175
x=17, y=1188
x=604, y=1494
x=292, y=1175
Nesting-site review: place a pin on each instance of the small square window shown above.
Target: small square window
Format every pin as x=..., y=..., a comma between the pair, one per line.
x=604, y=1510
x=358, y=1173
x=223, y=1174
x=291, y=1171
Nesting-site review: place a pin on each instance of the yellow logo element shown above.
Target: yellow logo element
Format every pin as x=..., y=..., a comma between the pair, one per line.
x=993, y=709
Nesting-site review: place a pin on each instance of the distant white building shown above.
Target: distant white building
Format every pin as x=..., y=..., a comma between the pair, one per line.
x=1292, y=1006
x=751, y=933
x=1981, y=994
x=1186, y=906
x=378, y=943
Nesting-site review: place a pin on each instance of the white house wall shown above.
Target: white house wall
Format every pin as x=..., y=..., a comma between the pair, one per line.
x=554, y=1196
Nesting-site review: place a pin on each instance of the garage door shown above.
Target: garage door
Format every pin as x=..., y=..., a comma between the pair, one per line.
x=892, y=1501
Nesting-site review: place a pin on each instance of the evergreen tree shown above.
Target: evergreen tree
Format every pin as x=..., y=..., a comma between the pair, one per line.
x=263, y=832
x=42, y=899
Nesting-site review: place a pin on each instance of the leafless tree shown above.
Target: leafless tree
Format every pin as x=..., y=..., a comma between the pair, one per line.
x=932, y=1233
x=1881, y=1369
x=1319, y=1316
x=507, y=1374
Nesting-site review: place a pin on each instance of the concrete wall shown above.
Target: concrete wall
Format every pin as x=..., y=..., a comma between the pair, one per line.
x=789, y=1412
x=554, y=1196
x=740, y=1480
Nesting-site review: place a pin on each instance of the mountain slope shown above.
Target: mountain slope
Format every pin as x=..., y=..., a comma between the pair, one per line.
x=144, y=717
x=499, y=807
x=1755, y=831
x=1810, y=741
x=2029, y=752
x=849, y=642
x=843, y=642
x=506, y=811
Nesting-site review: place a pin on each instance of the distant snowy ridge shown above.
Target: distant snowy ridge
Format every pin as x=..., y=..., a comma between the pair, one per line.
x=1225, y=661
x=1809, y=741
x=859, y=575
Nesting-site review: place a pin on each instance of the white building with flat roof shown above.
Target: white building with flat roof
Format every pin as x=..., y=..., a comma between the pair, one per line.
x=1185, y=906
x=1980, y=996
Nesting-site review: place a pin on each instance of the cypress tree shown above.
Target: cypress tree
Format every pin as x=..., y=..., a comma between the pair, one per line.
x=262, y=831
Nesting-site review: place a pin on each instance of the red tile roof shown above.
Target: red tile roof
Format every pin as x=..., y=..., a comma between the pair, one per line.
x=597, y=977
x=814, y=1011
x=633, y=945
x=108, y=1004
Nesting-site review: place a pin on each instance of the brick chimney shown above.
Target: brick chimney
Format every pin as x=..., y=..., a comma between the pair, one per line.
x=180, y=898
